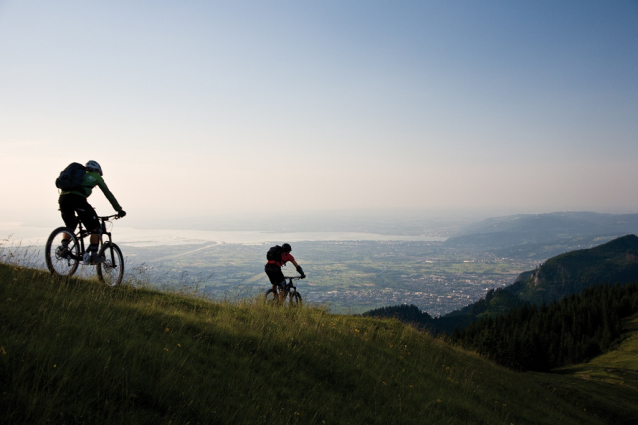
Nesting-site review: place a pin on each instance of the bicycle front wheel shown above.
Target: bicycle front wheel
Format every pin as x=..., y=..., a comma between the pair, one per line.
x=295, y=299
x=61, y=261
x=111, y=270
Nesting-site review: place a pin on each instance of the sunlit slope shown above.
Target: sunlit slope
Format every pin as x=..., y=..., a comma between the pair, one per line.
x=625, y=356
x=607, y=385
x=618, y=366
x=78, y=352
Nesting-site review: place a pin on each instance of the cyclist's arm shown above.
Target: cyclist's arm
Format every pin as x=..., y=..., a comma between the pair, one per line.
x=299, y=269
x=105, y=190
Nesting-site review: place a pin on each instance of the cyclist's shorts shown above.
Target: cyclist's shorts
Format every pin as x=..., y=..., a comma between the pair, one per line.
x=70, y=204
x=274, y=274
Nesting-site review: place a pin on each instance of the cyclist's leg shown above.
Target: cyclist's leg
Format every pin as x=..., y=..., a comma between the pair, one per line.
x=276, y=278
x=282, y=293
x=67, y=210
x=88, y=216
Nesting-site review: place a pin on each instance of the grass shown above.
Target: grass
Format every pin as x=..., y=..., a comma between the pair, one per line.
x=625, y=356
x=74, y=351
x=607, y=385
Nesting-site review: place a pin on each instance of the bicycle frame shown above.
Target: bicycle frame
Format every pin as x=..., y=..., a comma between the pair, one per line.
x=83, y=233
x=286, y=287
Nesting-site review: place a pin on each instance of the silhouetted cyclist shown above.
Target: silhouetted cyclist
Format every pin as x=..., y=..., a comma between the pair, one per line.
x=74, y=201
x=278, y=256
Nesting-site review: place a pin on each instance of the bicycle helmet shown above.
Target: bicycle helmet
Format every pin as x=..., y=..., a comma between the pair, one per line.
x=286, y=247
x=94, y=166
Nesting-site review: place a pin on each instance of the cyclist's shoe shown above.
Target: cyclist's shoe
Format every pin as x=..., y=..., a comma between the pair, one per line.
x=97, y=259
x=63, y=251
x=92, y=258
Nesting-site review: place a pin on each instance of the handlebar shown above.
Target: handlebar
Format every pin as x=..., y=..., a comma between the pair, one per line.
x=108, y=217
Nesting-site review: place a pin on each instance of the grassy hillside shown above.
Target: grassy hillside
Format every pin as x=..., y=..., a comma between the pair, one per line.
x=73, y=351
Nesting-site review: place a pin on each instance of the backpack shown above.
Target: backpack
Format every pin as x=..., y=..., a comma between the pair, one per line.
x=71, y=177
x=274, y=253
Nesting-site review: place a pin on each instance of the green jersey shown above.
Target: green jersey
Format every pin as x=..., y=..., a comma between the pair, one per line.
x=92, y=179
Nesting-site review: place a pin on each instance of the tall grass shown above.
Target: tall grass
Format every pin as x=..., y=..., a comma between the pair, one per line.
x=75, y=351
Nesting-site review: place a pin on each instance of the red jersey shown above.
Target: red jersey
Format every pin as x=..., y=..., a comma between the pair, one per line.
x=285, y=257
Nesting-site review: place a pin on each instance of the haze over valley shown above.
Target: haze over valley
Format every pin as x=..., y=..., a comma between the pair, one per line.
x=439, y=263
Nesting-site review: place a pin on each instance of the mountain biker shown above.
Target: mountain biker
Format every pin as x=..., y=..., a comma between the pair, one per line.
x=74, y=201
x=273, y=269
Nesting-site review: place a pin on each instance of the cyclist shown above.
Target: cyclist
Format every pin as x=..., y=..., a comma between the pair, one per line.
x=74, y=201
x=273, y=269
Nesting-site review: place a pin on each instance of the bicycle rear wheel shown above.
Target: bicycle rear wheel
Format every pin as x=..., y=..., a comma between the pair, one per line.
x=111, y=271
x=271, y=296
x=295, y=299
x=60, y=261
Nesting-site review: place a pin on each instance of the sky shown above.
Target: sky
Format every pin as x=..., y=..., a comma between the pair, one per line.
x=200, y=108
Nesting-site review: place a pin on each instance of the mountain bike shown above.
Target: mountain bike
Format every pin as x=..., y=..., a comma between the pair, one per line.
x=290, y=291
x=65, y=262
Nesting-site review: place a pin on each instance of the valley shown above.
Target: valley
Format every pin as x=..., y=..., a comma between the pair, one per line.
x=349, y=276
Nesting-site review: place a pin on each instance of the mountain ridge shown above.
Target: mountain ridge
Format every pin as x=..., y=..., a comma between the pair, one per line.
x=570, y=273
x=551, y=228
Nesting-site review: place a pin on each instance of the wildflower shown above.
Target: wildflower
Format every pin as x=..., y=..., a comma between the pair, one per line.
x=3, y=351
x=179, y=345
x=384, y=383
x=55, y=365
x=166, y=330
x=165, y=349
x=297, y=413
x=438, y=400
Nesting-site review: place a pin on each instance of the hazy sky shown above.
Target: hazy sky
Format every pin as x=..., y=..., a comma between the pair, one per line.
x=209, y=107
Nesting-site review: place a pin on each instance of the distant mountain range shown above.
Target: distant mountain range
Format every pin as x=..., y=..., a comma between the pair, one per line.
x=543, y=235
x=560, y=276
